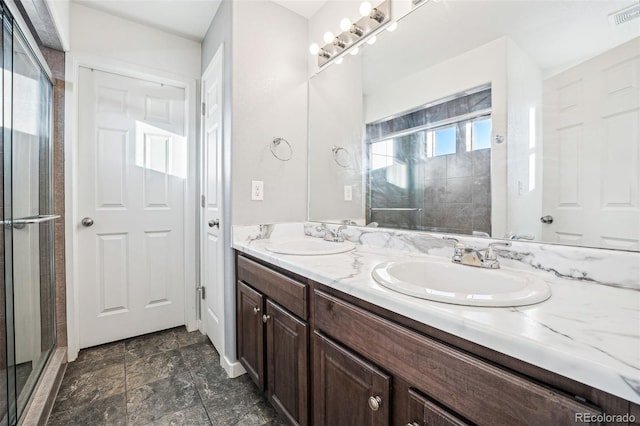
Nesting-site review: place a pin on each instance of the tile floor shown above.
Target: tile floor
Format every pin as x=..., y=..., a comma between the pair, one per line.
x=167, y=378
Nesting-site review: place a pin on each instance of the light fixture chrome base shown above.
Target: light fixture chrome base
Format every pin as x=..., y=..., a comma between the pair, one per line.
x=360, y=31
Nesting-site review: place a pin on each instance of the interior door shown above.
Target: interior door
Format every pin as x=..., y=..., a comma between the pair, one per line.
x=212, y=248
x=132, y=171
x=594, y=206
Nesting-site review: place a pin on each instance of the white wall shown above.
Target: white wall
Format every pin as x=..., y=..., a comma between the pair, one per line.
x=524, y=135
x=336, y=119
x=97, y=33
x=60, y=12
x=269, y=97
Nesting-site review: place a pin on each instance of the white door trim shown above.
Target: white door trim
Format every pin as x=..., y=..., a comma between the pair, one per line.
x=72, y=65
x=228, y=359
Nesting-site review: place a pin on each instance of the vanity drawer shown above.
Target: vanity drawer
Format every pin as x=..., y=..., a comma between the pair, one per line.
x=424, y=412
x=289, y=293
x=466, y=385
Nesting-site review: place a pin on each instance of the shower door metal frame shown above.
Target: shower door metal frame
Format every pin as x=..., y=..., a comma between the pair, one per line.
x=16, y=404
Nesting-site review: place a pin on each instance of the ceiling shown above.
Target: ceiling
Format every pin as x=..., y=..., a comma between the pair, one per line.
x=304, y=8
x=186, y=18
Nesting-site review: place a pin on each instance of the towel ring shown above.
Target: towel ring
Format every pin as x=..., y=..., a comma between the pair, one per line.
x=276, y=143
x=341, y=156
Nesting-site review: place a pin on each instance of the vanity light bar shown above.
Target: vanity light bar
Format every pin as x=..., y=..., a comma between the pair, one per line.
x=355, y=35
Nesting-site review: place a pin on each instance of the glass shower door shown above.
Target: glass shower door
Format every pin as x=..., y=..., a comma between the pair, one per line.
x=28, y=220
x=5, y=216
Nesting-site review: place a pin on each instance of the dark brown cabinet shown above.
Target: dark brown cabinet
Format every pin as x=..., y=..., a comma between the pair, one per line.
x=272, y=342
x=347, y=389
x=423, y=411
x=287, y=363
x=251, y=333
x=328, y=358
x=467, y=385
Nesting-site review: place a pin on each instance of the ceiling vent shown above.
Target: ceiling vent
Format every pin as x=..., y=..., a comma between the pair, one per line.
x=625, y=15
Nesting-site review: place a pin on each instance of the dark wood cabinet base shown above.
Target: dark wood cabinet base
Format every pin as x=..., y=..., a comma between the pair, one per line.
x=328, y=358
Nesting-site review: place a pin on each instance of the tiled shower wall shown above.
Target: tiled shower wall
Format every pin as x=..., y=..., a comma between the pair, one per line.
x=449, y=193
x=55, y=60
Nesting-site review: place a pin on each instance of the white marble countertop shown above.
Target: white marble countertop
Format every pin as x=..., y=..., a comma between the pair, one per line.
x=587, y=332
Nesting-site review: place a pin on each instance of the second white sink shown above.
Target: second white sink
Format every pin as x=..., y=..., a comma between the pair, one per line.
x=444, y=281
x=309, y=247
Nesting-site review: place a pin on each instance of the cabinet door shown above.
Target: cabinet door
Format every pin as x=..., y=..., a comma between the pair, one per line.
x=250, y=332
x=287, y=364
x=424, y=412
x=347, y=389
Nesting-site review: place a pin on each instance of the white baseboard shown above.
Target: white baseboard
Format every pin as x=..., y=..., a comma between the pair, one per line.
x=233, y=369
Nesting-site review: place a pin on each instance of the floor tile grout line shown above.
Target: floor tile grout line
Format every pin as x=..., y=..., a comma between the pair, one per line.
x=196, y=388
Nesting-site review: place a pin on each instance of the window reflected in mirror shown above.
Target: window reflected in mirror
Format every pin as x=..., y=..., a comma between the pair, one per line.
x=430, y=168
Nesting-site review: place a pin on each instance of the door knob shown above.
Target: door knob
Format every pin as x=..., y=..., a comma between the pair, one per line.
x=375, y=402
x=215, y=223
x=546, y=219
x=86, y=221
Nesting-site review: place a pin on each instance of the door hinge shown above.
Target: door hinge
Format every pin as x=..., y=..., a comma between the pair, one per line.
x=203, y=293
x=202, y=201
x=203, y=108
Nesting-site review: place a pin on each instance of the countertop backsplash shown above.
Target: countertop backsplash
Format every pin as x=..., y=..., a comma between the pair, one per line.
x=589, y=265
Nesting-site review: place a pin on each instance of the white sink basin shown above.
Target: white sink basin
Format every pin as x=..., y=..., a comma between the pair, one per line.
x=309, y=247
x=444, y=281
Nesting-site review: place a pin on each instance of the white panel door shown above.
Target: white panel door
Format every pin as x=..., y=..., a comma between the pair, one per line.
x=591, y=151
x=212, y=249
x=132, y=161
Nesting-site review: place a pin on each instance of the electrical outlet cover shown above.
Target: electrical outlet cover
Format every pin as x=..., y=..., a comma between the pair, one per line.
x=257, y=190
x=348, y=193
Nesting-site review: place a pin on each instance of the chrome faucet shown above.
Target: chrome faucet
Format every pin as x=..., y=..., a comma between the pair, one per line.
x=334, y=236
x=485, y=258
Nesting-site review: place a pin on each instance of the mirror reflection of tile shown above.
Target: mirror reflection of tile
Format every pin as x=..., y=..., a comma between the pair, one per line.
x=430, y=169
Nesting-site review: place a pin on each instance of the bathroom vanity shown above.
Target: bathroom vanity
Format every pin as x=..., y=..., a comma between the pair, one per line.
x=327, y=356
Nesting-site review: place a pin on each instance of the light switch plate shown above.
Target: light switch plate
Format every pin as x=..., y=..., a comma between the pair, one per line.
x=257, y=190
x=348, y=193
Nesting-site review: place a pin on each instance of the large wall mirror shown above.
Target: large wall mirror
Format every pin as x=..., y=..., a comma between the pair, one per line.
x=517, y=120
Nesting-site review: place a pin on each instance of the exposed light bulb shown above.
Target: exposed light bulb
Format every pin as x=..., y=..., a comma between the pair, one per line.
x=339, y=60
x=314, y=49
x=355, y=51
x=391, y=28
x=328, y=37
x=372, y=40
x=365, y=8
x=345, y=24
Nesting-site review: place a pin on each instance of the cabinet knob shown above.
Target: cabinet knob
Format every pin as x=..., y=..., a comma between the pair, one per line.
x=265, y=318
x=256, y=310
x=413, y=424
x=375, y=402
